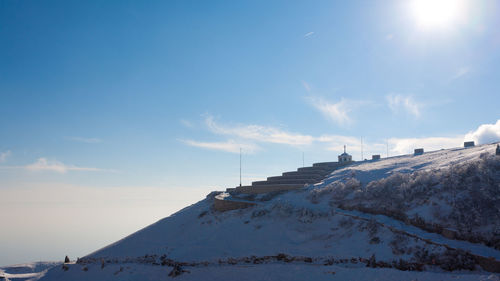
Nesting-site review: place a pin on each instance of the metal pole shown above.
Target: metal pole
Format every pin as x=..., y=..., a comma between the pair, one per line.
x=303, y=165
x=240, y=166
x=361, y=148
x=387, y=148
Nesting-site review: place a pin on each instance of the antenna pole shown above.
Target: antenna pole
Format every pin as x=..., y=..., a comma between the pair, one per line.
x=387, y=148
x=361, y=148
x=303, y=165
x=240, y=166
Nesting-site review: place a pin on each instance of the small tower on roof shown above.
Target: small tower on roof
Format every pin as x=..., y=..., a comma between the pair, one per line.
x=498, y=150
x=345, y=158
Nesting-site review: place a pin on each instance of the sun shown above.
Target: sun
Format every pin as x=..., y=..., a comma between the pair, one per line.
x=433, y=14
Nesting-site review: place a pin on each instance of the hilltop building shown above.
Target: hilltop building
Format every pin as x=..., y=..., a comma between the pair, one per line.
x=345, y=158
x=418, y=151
x=469, y=144
x=498, y=149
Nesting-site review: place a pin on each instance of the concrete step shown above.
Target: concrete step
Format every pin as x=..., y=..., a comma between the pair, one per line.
x=327, y=164
x=266, y=188
x=294, y=181
x=305, y=173
x=294, y=177
x=319, y=169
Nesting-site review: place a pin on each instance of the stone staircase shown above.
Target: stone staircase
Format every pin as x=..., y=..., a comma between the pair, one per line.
x=289, y=180
x=242, y=196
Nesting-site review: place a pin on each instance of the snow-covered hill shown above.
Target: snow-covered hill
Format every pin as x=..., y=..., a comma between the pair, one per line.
x=27, y=271
x=428, y=217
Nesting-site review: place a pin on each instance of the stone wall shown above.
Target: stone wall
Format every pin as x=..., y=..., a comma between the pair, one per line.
x=256, y=189
x=222, y=205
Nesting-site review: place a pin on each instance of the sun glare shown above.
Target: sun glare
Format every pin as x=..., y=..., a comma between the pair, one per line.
x=438, y=13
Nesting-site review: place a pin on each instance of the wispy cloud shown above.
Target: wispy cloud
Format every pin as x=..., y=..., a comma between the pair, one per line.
x=308, y=34
x=259, y=133
x=336, y=112
x=462, y=71
x=306, y=86
x=42, y=164
x=227, y=146
x=45, y=165
x=186, y=123
x=248, y=135
x=389, y=37
x=84, y=140
x=406, y=103
x=4, y=155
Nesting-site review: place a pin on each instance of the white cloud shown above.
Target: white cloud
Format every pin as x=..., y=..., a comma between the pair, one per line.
x=407, y=103
x=486, y=133
x=84, y=140
x=461, y=72
x=259, y=133
x=228, y=146
x=398, y=146
x=308, y=34
x=42, y=164
x=336, y=112
x=389, y=37
x=4, y=155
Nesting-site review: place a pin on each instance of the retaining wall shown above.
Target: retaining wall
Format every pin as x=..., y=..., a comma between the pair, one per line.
x=258, y=189
x=227, y=205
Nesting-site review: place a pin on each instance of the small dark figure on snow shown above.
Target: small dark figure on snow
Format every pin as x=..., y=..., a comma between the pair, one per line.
x=177, y=270
x=498, y=149
x=66, y=259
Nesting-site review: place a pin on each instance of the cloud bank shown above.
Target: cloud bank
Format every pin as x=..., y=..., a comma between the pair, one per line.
x=486, y=133
x=400, y=146
x=86, y=212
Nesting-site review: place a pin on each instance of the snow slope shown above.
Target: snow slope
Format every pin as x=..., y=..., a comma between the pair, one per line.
x=260, y=273
x=319, y=239
x=27, y=271
x=453, y=191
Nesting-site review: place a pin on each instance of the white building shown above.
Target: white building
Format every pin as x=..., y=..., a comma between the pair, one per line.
x=345, y=158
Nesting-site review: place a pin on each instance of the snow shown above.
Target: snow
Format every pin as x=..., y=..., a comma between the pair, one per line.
x=456, y=189
x=258, y=272
x=478, y=249
x=26, y=271
x=371, y=170
x=303, y=223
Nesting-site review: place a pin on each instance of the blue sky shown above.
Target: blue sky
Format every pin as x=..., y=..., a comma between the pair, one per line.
x=136, y=101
